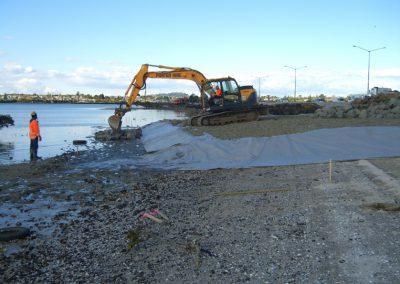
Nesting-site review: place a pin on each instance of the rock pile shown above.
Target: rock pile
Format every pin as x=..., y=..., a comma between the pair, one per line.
x=379, y=106
x=6, y=120
x=124, y=134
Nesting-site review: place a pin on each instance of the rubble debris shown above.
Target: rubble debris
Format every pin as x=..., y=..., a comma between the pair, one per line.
x=79, y=142
x=133, y=237
x=194, y=248
x=379, y=106
x=124, y=134
x=13, y=233
x=383, y=206
x=156, y=212
x=151, y=217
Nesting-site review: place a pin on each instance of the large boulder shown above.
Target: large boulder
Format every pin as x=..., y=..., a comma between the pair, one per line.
x=351, y=114
x=363, y=113
x=395, y=110
x=319, y=113
x=322, y=112
x=394, y=102
x=372, y=110
x=338, y=112
x=347, y=107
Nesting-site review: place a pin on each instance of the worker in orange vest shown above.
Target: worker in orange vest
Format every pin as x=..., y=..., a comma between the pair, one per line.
x=34, y=135
x=218, y=91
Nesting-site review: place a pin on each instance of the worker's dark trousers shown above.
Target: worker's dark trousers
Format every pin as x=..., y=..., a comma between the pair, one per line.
x=34, y=148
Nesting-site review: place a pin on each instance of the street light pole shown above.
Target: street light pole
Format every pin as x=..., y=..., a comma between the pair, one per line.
x=295, y=82
x=369, y=60
x=295, y=76
x=259, y=84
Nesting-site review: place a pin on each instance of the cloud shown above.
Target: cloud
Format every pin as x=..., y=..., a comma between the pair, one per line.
x=52, y=73
x=393, y=73
x=8, y=37
x=2, y=53
x=13, y=67
x=26, y=82
x=29, y=69
x=109, y=62
x=313, y=82
x=17, y=78
x=114, y=79
x=70, y=59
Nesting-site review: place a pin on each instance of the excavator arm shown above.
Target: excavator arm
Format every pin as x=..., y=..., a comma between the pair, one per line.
x=138, y=83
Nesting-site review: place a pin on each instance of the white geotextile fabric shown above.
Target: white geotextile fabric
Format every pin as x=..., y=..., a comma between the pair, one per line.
x=171, y=147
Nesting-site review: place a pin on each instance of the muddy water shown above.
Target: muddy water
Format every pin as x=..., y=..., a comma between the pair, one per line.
x=61, y=124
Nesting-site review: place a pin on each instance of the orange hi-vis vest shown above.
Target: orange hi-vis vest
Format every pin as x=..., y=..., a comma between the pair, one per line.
x=34, y=129
x=218, y=92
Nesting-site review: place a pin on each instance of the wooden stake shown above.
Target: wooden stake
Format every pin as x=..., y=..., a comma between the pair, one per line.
x=149, y=216
x=330, y=170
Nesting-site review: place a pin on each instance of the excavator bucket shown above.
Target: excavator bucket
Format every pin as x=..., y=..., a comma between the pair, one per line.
x=115, y=122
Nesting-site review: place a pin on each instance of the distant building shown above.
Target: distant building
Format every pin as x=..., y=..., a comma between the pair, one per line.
x=355, y=96
x=376, y=90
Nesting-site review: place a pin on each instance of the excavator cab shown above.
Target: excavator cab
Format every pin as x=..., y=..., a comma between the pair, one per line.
x=232, y=97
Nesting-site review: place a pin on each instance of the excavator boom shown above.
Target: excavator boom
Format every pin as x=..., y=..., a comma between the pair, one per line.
x=138, y=83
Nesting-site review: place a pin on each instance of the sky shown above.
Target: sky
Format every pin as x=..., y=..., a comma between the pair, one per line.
x=95, y=47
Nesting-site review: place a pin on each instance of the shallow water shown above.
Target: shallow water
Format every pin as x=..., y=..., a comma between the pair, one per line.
x=60, y=124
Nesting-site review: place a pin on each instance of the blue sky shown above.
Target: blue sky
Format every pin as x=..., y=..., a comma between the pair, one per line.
x=97, y=46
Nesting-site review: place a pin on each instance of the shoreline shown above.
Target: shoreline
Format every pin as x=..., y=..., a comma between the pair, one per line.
x=263, y=224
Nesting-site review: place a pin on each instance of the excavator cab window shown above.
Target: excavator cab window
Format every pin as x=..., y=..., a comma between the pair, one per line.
x=230, y=90
x=230, y=87
x=211, y=88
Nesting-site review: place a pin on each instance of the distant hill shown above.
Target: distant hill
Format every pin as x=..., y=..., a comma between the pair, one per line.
x=172, y=94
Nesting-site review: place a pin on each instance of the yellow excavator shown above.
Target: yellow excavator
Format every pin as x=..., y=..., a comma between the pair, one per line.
x=223, y=101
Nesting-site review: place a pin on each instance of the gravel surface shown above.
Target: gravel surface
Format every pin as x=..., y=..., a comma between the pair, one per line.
x=275, y=224
x=279, y=125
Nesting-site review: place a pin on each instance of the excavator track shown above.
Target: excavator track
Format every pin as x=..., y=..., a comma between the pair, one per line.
x=226, y=117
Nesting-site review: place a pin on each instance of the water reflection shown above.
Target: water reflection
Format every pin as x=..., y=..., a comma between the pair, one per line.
x=7, y=149
x=61, y=124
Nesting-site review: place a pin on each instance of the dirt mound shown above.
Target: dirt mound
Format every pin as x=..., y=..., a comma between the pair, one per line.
x=6, y=120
